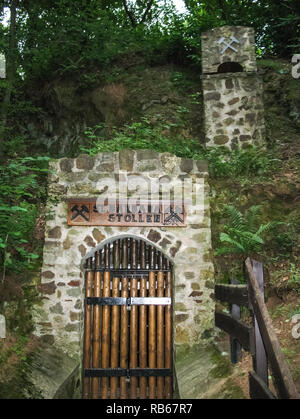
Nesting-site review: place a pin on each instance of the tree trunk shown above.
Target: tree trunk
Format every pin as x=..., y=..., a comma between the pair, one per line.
x=129, y=14
x=132, y=17
x=149, y=5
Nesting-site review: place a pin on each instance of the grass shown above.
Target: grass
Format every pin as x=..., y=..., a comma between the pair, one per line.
x=278, y=66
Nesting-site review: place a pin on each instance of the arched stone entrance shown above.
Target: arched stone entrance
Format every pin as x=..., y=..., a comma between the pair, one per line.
x=59, y=319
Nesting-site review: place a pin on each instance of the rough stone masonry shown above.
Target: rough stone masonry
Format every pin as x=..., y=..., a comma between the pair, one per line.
x=59, y=317
x=232, y=89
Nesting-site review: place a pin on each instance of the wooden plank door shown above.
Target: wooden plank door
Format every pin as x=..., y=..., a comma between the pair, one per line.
x=128, y=323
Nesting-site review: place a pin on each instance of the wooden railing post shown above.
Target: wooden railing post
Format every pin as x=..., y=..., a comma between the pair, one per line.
x=260, y=362
x=259, y=339
x=235, y=346
x=283, y=381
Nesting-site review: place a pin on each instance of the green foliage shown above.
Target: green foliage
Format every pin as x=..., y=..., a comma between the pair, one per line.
x=144, y=135
x=223, y=163
x=140, y=135
x=180, y=81
x=200, y=19
x=252, y=161
x=243, y=234
x=294, y=274
x=68, y=37
x=285, y=239
x=274, y=65
x=17, y=348
x=276, y=23
x=291, y=21
x=61, y=37
x=20, y=190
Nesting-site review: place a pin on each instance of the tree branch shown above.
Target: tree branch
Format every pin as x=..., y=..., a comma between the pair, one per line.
x=129, y=14
x=147, y=11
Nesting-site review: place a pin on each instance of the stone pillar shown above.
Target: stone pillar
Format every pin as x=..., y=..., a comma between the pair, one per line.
x=232, y=89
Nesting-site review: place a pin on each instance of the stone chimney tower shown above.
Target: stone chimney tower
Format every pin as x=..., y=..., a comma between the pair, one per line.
x=232, y=89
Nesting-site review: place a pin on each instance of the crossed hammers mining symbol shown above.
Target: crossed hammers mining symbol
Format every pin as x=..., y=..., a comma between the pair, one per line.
x=79, y=212
x=173, y=218
x=228, y=44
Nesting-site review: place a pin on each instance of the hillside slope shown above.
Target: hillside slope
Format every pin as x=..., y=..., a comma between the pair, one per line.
x=160, y=107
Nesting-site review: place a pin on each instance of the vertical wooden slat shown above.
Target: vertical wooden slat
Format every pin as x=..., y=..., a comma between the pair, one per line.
x=124, y=323
x=152, y=328
x=160, y=329
x=115, y=330
x=260, y=361
x=105, y=323
x=96, y=327
x=138, y=337
x=143, y=325
x=168, y=333
x=235, y=346
x=283, y=380
x=87, y=328
x=133, y=324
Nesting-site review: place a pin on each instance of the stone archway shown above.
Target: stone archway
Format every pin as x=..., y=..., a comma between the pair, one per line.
x=59, y=317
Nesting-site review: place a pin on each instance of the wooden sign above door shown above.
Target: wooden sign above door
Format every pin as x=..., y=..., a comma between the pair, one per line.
x=87, y=212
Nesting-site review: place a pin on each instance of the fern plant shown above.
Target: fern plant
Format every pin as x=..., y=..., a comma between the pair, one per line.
x=243, y=234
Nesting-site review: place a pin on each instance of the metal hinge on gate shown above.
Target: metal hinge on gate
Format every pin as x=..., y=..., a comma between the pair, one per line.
x=127, y=372
x=120, y=273
x=130, y=301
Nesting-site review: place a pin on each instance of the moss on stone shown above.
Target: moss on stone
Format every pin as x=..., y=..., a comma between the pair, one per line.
x=17, y=385
x=222, y=368
x=201, y=370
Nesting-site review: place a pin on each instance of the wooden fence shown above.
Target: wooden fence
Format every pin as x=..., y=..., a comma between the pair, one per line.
x=258, y=338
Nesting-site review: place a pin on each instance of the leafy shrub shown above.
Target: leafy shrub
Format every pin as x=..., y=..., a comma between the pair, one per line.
x=141, y=135
x=20, y=190
x=244, y=232
x=284, y=240
x=223, y=163
x=240, y=162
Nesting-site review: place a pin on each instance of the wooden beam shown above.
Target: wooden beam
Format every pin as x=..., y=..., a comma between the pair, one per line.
x=233, y=294
x=87, y=329
x=235, y=346
x=236, y=329
x=282, y=377
x=258, y=389
x=168, y=333
x=260, y=361
x=143, y=324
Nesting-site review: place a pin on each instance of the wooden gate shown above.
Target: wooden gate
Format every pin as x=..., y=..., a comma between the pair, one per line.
x=128, y=323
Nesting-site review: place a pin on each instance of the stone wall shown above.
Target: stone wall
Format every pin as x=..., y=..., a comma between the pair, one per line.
x=233, y=97
x=59, y=317
x=212, y=55
x=234, y=112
